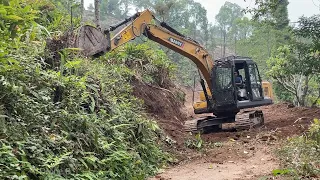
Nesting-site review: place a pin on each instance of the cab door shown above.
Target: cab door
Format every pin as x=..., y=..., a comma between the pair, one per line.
x=255, y=92
x=223, y=87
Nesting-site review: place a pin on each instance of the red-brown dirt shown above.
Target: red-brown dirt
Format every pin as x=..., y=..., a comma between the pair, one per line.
x=238, y=155
x=280, y=120
x=162, y=105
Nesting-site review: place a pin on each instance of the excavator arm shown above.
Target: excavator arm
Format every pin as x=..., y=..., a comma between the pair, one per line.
x=143, y=23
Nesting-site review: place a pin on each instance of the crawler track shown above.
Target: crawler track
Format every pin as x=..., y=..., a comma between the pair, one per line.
x=243, y=121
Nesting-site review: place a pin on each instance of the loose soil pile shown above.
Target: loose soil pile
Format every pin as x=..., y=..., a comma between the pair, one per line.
x=163, y=105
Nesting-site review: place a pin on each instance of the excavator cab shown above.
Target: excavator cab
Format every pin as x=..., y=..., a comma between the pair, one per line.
x=231, y=96
x=250, y=92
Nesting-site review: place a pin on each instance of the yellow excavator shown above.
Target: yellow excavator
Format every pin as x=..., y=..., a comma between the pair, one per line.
x=228, y=84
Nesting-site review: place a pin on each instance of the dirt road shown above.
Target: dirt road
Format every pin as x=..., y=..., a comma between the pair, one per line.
x=244, y=158
x=241, y=155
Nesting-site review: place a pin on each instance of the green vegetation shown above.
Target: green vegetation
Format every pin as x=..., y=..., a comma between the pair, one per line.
x=195, y=143
x=295, y=67
x=300, y=156
x=74, y=118
x=63, y=116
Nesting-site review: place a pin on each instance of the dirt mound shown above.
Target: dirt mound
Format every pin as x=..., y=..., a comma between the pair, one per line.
x=287, y=121
x=164, y=107
x=281, y=120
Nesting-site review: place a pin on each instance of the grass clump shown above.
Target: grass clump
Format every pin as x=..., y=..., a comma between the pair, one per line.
x=300, y=156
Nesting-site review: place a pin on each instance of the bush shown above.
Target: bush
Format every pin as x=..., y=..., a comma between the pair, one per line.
x=77, y=121
x=81, y=119
x=148, y=64
x=301, y=155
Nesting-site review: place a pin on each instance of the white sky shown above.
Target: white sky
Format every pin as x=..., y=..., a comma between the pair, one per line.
x=296, y=8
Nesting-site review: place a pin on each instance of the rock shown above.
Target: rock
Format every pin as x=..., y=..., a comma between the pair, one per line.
x=290, y=106
x=245, y=141
x=252, y=148
x=268, y=137
x=265, y=138
x=246, y=152
x=273, y=138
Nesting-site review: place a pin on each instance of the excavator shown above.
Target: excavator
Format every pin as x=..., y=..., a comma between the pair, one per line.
x=229, y=84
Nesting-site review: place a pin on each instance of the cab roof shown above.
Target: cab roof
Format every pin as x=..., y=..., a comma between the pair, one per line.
x=239, y=61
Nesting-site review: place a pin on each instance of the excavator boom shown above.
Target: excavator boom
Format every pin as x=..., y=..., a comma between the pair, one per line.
x=94, y=43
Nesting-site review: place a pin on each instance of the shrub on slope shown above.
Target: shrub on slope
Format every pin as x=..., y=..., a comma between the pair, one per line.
x=78, y=120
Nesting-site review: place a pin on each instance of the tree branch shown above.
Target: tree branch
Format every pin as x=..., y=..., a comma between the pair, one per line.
x=286, y=85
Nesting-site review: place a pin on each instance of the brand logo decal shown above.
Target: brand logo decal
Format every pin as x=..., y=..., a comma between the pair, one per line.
x=176, y=42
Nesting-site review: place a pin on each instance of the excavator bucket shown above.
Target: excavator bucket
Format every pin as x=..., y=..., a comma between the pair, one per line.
x=92, y=41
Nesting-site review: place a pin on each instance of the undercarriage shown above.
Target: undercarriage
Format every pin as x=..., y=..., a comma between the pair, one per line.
x=244, y=120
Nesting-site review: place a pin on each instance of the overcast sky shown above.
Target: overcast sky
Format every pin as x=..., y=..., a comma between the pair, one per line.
x=296, y=8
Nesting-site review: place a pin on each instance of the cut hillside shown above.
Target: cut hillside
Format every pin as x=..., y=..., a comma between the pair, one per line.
x=163, y=105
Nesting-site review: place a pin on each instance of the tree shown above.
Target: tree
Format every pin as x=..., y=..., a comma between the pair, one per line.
x=97, y=13
x=297, y=66
x=91, y=7
x=226, y=17
x=285, y=70
x=280, y=15
x=81, y=9
x=309, y=28
x=264, y=8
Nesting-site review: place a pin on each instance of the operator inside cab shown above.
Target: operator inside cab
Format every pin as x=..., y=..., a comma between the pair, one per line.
x=241, y=91
x=238, y=78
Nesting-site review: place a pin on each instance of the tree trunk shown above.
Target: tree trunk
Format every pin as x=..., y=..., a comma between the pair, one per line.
x=81, y=9
x=305, y=91
x=314, y=104
x=224, y=43
x=235, y=44
x=97, y=13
